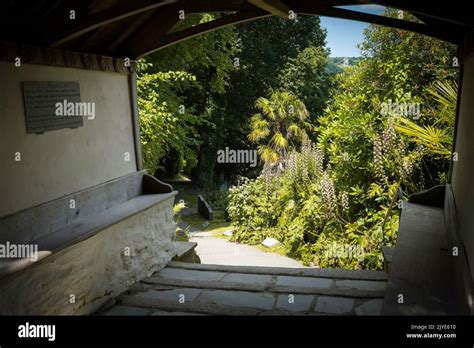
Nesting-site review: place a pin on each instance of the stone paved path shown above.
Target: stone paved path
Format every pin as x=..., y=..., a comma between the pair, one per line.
x=219, y=251
x=197, y=289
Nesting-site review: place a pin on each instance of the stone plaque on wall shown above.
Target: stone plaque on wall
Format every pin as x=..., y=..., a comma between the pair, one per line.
x=40, y=99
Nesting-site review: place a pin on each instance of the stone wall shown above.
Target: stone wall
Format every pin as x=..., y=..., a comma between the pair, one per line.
x=95, y=269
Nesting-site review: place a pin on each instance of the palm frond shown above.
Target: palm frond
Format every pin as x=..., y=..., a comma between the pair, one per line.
x=436, y=140
x=295, y=130
x=445, y=93
x=279, y=141
x=267, y=154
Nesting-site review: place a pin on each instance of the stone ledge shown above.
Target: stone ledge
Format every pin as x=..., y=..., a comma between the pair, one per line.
x=186, y=252
x=83, y=229
x=47, y=218
x=230, y=303
x=95, y=269
x=207, y=308
x=204, y=284
x=306, y=272
x=332, y=291
x=220, y=285
x=194, y=307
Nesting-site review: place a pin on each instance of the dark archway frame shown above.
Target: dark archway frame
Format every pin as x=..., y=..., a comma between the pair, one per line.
x=131, y=29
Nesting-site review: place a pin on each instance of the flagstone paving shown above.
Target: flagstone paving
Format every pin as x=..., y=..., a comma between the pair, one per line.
x=196, y=289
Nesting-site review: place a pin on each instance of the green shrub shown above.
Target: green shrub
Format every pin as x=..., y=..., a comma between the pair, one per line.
x=168, y=136
x=302, y=206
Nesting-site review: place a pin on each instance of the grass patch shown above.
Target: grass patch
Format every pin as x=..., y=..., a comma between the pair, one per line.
x=181, y=236
x=217, y=226
x=279, y=249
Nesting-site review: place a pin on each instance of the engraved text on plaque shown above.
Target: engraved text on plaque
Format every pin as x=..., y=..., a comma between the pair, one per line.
x=40, y=104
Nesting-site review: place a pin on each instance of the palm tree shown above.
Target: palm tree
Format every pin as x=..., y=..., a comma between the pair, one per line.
x=280, y=126
x=437, y=138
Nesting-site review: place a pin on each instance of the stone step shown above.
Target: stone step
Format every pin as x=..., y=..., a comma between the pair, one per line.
x=332, y=273
x=275, y=284
x=192, y=307
x=122, y=310
x=240, y=290
x=232, y=302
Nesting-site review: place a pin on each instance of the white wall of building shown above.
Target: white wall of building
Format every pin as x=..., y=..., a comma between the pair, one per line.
x=64, y=161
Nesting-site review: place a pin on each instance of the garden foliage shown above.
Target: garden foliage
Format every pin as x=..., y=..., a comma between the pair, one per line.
x=330, y=202
x=334, y=148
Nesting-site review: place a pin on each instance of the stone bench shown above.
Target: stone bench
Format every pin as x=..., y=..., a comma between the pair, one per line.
x=421, y=268
x=430, y=267
x=89, y=231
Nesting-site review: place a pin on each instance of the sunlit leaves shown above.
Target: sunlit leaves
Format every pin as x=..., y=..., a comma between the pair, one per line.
x=162, y=127
x=445, y=94
x=436, y=140
x=280, y=126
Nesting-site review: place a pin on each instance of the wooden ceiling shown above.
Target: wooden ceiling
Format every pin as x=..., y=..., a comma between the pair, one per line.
x=125, y=28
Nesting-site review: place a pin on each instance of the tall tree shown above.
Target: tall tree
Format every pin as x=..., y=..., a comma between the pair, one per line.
x=268, y=46
x=306, y=76
x=234, y=66
x=280, y=126
x=208, y=57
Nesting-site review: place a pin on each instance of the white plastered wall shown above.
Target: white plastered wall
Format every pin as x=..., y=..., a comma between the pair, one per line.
x=64, y=161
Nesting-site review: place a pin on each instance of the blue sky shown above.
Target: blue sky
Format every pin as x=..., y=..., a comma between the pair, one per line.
x=343, y=35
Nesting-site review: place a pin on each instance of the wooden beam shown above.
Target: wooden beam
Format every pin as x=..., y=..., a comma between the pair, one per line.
x=275, y=7
x=93, y=41
x=435, y=11
x=102, y=18
x=159, y=24
x=438, y=33
x=172, y=38
x=126, y=32
x=23, y=25
x=201, y=6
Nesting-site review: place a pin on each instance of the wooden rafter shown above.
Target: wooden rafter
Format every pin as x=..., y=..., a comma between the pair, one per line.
x=433, y=11
x=424, y=29
x=200, y=6
x=275, y=7
x=126, y=28
x=164, y=41
x=158, y=25
x=102, y=18
x=172, y=38
x=127, y=31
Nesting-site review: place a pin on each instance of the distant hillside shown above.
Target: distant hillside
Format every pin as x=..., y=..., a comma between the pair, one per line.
x=337, y=64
